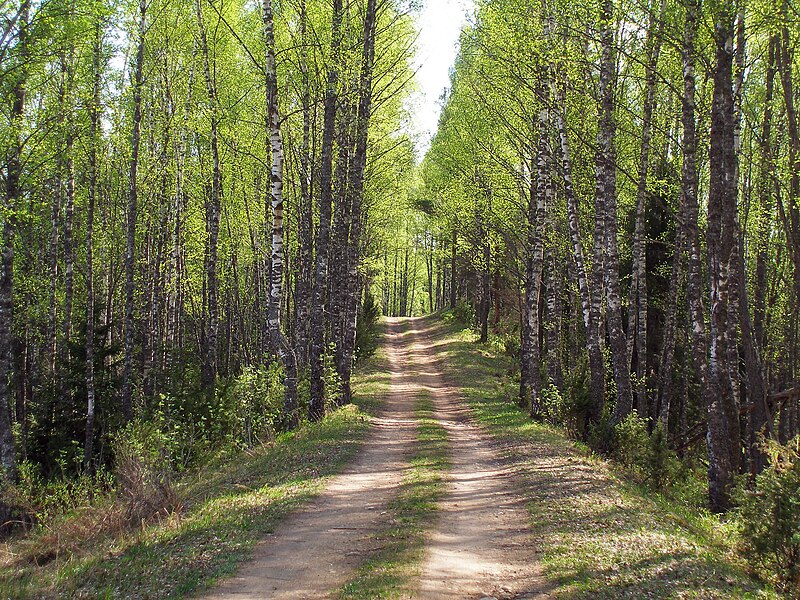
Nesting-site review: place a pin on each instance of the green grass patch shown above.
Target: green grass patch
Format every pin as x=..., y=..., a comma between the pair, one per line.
x=391, y=571
x=227, y=507
x=600, y=534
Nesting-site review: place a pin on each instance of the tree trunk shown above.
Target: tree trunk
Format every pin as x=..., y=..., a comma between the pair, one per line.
x=69, y=214
x=8, y=460
x=285, y=350
x=553, y=323
x=358, y=167
x=317, y=402
x=785, y=63
x=670, y=325
x=689, y=184
x=760, y=416
x=213, y=208
x=590, y=308
x=606, y=216
x=429, y=263
x=453, y=267
x=340, y=237
x=94, y=129
x=540, y=198
x=130, y=237
x=723, y=414
x=638, y=305
x=305, y=221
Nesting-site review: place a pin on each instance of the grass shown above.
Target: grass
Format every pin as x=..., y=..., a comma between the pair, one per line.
x=227, y=507
x=600, y=535
x=391, y=571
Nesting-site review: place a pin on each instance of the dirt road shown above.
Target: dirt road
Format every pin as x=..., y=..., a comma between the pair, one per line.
x=479, y=546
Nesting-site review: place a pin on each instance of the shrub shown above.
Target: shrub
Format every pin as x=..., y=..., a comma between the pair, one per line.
x=144, y=470
x=631, y=441
x=555, y=407
x=568, y=409
x=512, y=345
x=660, y=462
x=36, y=500
x=367, y=327
x=577, y=397
x=464, y=313
x=770, y=518
x=333, y=383
x=646, y=455
x=190, y=424
x=507, y=343
x=600, y=436
x=254, y=404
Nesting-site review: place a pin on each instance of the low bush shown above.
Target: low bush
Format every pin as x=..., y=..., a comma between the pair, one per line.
x=34, y=500
x=661, y=464
x=367, y=338
x=464, y=313
x=333, y=383
x=646, y=456
x=144, y=470
x=601, y=436
x=631, y=441
x=507, y=343
x=568, y=409
x=770, y=518
x=253, y=403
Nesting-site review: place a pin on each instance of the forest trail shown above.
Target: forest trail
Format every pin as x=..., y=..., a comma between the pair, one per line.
x=479, y=547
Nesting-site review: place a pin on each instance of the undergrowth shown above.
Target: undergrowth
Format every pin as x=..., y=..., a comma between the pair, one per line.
x=200, y=525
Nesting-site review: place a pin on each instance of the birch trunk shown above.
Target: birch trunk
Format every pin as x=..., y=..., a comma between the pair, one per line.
x=785, y=56
x=340, y=235
x=760, y=417
x=736, y=298
x=279, y=341
x=69, y=210
x=590, y=309
x=8, y=460
x=553, y=323
x=689, y=184
x=94, y=129
x=638, y=304
x=213, y=207
x=358, y=167
x=670, y=325
x=606, y=216
x=453, y=267
x=723, y=431
x=540, y=198
x=305, y=222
